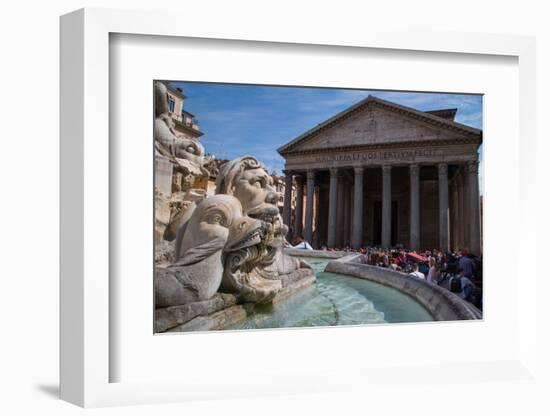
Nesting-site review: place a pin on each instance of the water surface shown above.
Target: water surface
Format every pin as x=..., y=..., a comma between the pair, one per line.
x=337, y=300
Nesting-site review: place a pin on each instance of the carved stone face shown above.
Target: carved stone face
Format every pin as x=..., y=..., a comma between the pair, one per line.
x=254, y=189
x=247, y=179
x=247, y=232
x=211, y=221
x=191, y=161
x=192, y=150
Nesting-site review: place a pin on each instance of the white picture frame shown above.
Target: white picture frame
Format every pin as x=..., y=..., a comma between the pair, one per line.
x=87, y=356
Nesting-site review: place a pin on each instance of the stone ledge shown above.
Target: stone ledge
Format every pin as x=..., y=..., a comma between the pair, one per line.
x=219, y=320
x=220, y=312
x=167, y=318
x=442, y=304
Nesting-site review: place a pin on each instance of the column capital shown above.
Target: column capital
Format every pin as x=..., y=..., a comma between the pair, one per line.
x=333, y=171
x=358, y=170
x=442, y=169
x=386, y=168
x=287, y=172
x=310, y=174
x=472, y=166
x=414, y=169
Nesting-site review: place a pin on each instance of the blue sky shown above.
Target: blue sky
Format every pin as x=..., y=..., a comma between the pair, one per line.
x=256, y=120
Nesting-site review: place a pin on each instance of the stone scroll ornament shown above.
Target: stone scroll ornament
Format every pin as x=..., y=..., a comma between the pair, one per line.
x=257, y=273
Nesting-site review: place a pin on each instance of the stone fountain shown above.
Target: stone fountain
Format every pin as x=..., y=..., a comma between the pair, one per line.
x=228, y=253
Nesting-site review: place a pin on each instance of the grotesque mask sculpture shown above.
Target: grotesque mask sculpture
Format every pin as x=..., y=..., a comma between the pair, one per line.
x=217, y=228
x=247, y=179
x=260, y=272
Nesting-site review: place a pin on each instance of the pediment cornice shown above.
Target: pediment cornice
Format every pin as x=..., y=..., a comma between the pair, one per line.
x=394, y=145
x=460, y=132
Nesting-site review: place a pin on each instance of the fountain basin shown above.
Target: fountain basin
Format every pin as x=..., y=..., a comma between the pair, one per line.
x=336, y=299
x=442, y=304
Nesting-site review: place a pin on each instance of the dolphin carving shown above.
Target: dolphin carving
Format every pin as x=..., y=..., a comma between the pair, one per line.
x=197, y=274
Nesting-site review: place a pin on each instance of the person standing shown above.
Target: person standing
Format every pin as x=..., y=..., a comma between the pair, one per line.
x=462, y=286
x=467, y=264
x=433, y=273
x=416, y=273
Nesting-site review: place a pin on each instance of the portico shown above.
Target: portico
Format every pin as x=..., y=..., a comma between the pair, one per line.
x=383, y=174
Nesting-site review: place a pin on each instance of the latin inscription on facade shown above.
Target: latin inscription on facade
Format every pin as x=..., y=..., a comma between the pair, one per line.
x=378, y=155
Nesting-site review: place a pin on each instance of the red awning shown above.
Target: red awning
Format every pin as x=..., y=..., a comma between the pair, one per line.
x=417, y=257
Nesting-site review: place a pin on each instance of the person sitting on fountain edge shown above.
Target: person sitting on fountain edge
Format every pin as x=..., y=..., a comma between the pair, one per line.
x=300, y=243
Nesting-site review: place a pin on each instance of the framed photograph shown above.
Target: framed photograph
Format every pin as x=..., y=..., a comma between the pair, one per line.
x=375, y=220
x=290, y=208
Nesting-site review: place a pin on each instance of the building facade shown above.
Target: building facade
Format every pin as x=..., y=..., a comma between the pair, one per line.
x=185, y=123
x=381, y=174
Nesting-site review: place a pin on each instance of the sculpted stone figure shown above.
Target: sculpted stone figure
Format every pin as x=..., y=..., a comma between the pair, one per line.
x=261, y=271
x=187, y=154
x=182, y=211
x=216, y=227
x=247, y=180
x=186, y=160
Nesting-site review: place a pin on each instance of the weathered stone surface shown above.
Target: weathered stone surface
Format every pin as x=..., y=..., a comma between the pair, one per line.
x=220, y=246
x=179, y=161
x=296, y=276
x=219, y=320
x=442, y=304
x=164, y=253
x=256, y=273
x=171, y=317
x=198, y=273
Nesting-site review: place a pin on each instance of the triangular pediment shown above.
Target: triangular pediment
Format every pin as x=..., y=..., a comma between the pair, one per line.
x=377, y=122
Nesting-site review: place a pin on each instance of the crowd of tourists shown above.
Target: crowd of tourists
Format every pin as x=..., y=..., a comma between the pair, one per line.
x=459, y=272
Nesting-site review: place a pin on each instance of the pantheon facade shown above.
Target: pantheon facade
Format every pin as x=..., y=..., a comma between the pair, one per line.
x=382, y=174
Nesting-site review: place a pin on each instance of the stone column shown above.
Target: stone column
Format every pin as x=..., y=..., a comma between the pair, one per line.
x=414, y=172
x=308, y=231
x=346, y=213
x=460, y=225
x=386, y=206
x=357, y=233
x=316, y=221
x=332, y=200
x=473, y=216
x=455, y=220
x=299, y=210
x=444, y=244
x=340, y=210
x=288, y=197
x=465, y=209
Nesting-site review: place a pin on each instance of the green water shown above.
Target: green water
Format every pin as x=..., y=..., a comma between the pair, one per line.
x=337, y=300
